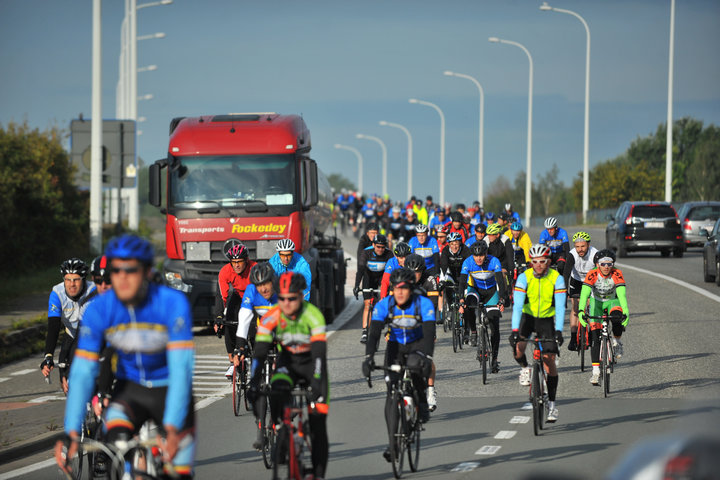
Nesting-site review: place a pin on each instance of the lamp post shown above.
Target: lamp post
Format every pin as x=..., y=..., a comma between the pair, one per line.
x=528, y=181
x=360, y=163
x=480, y=128
x=384, y=158
x=669, y=131
x=442, y=144
x=586, y=143
x=410, y=153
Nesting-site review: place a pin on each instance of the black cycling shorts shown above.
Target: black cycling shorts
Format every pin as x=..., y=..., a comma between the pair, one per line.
x=574, y=288
x=543, y=328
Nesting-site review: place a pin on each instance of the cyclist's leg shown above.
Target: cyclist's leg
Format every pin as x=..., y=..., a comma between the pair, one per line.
x=124, y=416
x=233, y=306
x=393, y=355
x=574, y=294
x=493, y=315
x=595, y=308
x=317, y=419
x=471, y=302
x=281, y=384
x=420, y=368
x=545, y=328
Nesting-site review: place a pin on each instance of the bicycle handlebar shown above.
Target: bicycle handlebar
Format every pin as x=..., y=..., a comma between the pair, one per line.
x=603, y=317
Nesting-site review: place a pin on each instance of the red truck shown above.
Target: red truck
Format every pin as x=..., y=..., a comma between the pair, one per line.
x=246, y=176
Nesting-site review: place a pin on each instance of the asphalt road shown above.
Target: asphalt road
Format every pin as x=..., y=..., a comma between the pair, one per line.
x=667, y=381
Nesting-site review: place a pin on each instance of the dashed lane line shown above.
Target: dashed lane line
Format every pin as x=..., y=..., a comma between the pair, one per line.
x=519, y=419
x=488, y=450
x=505, y=434
x=4, y=379
x=466, y=467
x=23, y=372
x=46, y=398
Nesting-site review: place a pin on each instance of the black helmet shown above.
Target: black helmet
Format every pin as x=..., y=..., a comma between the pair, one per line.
x=380, y=239
x=98, y=267
x=480, y=227
x=402, y=277
x=604, y=253
x=456, y=216
x=415, y=262
x=74, y=265
x=261, y=273
x=402, y=249
x=371, y=226
x=479, y=248
x=235, y=250
x=290, y=282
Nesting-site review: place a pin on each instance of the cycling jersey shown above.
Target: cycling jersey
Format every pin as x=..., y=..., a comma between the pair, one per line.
x=481, y=276
x=298, y=264
x=428, y=250
x=371, y=267
x=391, y=265
x=470, y=241
x=436, y=224
x=239, y=282
x=503, y=250
x=604, y=288
x=344, y=202
x=580, y=266
x=405, y=324
x=540, y=297
x=296, y=335
x=410, y=227
x=395, y=226
x=451, y=263
x=462, y=231
x=154, y=344
x=521, y=245
x=252, y=304
x=68, y=310
x=600, y=293
x=555, y=242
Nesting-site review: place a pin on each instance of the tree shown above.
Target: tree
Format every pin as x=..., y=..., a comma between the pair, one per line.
x=703, y=175
x=338, y=182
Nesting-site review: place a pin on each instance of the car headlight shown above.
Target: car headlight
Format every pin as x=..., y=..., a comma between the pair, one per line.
x=174, y=280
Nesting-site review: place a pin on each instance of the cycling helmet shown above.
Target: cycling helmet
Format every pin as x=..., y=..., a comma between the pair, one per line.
x=516, y=225
x=581, y=236
x=371, y=226
x=508, y=207
x=604, y=253
x=291, y=282
x=380, y=239
x=285, y=245
x=74, y=265
x=454, y=237
x=130, y=246
x=456, y=216
x=439, y=211
x=551, y=222
x=444, y=229
x=494, y=229
x=402, y=277
x=421, y=228
x=505, y=217
x=489, y=216
x=539, y=250
x=98, y=267
x=396, y=209
x=261, y=273
x=415, y=262
x=479, y=248
x=480, y=227
x=235, y=250
x=402, y=249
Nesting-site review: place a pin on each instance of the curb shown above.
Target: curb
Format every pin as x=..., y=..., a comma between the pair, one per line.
x=25, y=448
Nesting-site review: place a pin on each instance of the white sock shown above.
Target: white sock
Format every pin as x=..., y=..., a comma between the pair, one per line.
x=551, y=405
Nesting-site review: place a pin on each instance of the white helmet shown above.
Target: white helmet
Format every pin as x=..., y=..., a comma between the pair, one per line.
x=551, y=222
x=421, y=228
x=539, y=250
x=285, y=245
x=508, y=207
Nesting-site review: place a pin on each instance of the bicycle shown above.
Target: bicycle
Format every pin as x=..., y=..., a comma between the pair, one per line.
x=538, y=386
x=582, y=343
x=375, y=292
x=240, y=380
x=266, y=424
x=484, y=348
x=607, y=350
x=405, y=420
x=457, y=324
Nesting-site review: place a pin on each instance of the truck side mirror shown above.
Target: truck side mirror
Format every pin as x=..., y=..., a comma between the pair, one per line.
x=155, y=186
x=314, y=183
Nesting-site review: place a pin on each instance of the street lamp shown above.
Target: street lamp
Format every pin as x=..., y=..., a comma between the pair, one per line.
x=586, y=143
x=147, y=96
x=669, y=126
x=410, y=153
x=384, y=158
x=151, y=36
x=481, y=127
x=442, y=144
x=528, y=181
x=149, y=68
x=360, y=164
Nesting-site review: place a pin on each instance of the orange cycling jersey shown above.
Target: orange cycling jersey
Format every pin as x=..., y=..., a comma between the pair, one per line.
x=604, y=288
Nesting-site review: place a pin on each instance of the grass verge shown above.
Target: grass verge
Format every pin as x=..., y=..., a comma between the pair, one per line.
x=25, y=337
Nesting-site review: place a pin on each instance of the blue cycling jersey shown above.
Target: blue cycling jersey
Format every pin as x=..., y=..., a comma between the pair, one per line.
x=298, y=264
x=252, y=300
x=70, y=311
x=470, y=241
x=154, y=344
x=555, y=242
x=425, y=250
x=481, y=276
x=391, y=265
x=406, y=324
x=345, y=201
x=435, y=223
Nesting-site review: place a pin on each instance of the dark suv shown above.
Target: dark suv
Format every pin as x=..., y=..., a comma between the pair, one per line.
x=645, y=226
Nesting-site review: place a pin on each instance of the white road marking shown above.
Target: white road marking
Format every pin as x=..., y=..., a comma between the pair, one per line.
x=24, y=372
x=519, y=419
x=673, y=280
x=29, y=469
x=47, y=398
x=488, y=450
x=527, y=406
x=218, y=383
x=3, y=379
x=505, y=434
x=466, y=467
x=212, y=357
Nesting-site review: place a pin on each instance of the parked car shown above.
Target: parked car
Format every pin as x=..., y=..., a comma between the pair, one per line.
x=711, y=254
x=650, y=226
x=694, y=216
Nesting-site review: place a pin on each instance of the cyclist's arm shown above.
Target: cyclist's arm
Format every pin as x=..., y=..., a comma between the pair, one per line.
x=54, y=323
x=560, y=293
x=585, y=292
x=569, y=265
x=502, y=288
x=361, y=264
x=384, y=285
x=427, y=310
x=245, y=317
x=518, y=301
x=180, y=360
x=620, y=291
x=509, y=256
x=224, y=283
x=263, y=340
x=303, y=267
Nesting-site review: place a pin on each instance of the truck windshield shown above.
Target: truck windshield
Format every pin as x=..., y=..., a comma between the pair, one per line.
x=231, y=180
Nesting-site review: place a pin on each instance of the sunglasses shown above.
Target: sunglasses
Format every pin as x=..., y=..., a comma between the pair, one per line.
x=606, y=264
x=286, y=255
x=293, y=298
x=127, y=270
x=101, y=280
x=242, y=260
x=540, y=262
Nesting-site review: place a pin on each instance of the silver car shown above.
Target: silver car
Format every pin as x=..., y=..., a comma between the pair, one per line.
x=694, y=216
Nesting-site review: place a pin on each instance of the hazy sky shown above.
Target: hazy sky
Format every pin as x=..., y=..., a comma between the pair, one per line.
x=345, y=65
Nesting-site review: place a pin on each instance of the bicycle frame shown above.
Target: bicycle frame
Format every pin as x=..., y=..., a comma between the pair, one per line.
x=607, y=351
x=538, y=386
x=293, y=429
x=484, y=348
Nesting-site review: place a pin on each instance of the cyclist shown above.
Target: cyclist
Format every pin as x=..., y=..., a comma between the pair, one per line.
x=233, y=279
x=288, y=260
x=457, y=225
x=411, y=222
x=259, y=297
x=604, y=288
x=441, y=237
x=401, y=251
x=150, y=326
x=521, y=243
x=366, y=240
x=484, y=282
x=68, y=300
x=476, y=215
x=420, y=212
x=452, y=258
x=299, y=327
x=490, y=218
x=557, y=239
x=100, y=274
x=411, y=319
x=544, y=313
x=480, y=232
x=439, y=220
x=394, y=225
x=371, y=266
x=427, y=247
x=515, y=216
x=579, y=263
x=500, y=246
x=368, y=211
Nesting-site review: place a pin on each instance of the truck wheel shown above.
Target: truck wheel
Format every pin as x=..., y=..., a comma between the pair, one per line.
x=340, y=276
x=327, y=290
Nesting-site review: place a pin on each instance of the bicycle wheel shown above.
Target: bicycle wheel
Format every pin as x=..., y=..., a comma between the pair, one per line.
x=413, y=444
x=536, y=397
x=245, y=383
x=397, y=437
x=281, y=454
x=605, y=366
x=483, y=352
x=582, y=346
x=446, y=313
x=237, y=391
x=454, y=330
x=460, y=326
x=269, y=440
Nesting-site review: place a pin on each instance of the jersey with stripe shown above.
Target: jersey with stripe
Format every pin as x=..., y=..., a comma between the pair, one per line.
x=604, y=288
x=481, y=276
x=555, y=242
x=583, y=265
x=253, y=304
x=296, y=335
x=70, y=311
x=405, y=324
x=425, y=250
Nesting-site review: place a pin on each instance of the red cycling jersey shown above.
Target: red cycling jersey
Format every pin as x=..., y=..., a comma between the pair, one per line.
x=227, y=277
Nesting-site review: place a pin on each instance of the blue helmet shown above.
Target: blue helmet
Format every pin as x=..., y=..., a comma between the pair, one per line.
x=490, y=216
x=130, y=246
x=516, y=226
